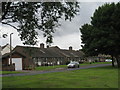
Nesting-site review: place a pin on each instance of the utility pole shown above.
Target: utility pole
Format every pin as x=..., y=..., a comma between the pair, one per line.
x=11, y=48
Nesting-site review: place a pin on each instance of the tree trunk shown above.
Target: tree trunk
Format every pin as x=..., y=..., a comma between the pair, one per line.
x=112, y=61
x=118, y=61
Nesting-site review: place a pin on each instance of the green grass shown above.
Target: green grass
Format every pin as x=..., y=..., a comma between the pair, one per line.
x=45, y=68
x=102, y=77
x=95, y=63
x=50, y=67
x=9, y=72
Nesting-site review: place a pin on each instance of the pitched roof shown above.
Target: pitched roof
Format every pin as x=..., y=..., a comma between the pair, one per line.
x=52, y=52
x=8, y=54
x=72, y=53
x=4, y=46
x=38, y=52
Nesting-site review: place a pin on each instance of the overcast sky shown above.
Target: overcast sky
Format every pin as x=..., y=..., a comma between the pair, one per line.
x=66, y=35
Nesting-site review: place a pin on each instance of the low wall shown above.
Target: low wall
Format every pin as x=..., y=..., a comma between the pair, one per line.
x=8, y=67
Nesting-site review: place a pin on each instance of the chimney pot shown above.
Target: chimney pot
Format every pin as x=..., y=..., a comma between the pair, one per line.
x=41, y=45
x=70, y=48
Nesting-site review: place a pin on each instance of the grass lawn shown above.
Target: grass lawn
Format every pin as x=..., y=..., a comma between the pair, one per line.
x=87, y=63
x=10, y=72
x=50, y=67
x=101, y=77
x=65, y=66
x=46, y=68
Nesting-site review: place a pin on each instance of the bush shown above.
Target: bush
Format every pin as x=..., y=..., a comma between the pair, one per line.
x=67, y=62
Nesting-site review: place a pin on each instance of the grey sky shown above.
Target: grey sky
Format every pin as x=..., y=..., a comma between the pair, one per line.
x=66, y=35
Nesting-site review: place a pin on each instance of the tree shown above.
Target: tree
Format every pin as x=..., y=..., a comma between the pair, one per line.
x=89, y=48
x=33, y=16
x=105, y=32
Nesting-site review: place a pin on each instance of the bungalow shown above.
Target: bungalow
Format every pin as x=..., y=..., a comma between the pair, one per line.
x=40, y=56
x=72, y=55
x=4, y=49
x=19, y=62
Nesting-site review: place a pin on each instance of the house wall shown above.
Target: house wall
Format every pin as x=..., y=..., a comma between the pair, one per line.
x=44, y=61
x=70, y=59
x=6, y=62
x=8, y=68
x=6, y=50
x=48, y=61
x=27, y=64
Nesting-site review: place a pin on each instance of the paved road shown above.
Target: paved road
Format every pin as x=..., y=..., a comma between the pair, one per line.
x=42, y=72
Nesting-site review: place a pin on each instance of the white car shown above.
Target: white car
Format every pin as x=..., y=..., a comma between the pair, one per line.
x=108, y=60
x=73, y=65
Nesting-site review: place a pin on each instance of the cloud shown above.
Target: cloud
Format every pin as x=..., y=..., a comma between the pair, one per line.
x=66, y=35
x=68, y=40
x=69, y=34
x=84, y=16
x=15, y=38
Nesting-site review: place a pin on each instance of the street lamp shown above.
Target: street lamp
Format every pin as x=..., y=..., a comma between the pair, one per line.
x=11, y=48
x=4, y=36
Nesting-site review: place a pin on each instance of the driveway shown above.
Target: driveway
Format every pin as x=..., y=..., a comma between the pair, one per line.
x=56, y=70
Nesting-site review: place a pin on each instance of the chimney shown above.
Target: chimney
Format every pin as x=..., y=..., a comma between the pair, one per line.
x=70, y=48
x=41, y=45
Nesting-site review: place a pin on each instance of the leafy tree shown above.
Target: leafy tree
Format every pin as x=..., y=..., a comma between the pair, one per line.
x=33, y=16
x=105, y=32
x=87, y=40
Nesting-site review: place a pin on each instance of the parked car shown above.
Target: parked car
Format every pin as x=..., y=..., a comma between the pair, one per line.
x=73, y=65
x=108, y=60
